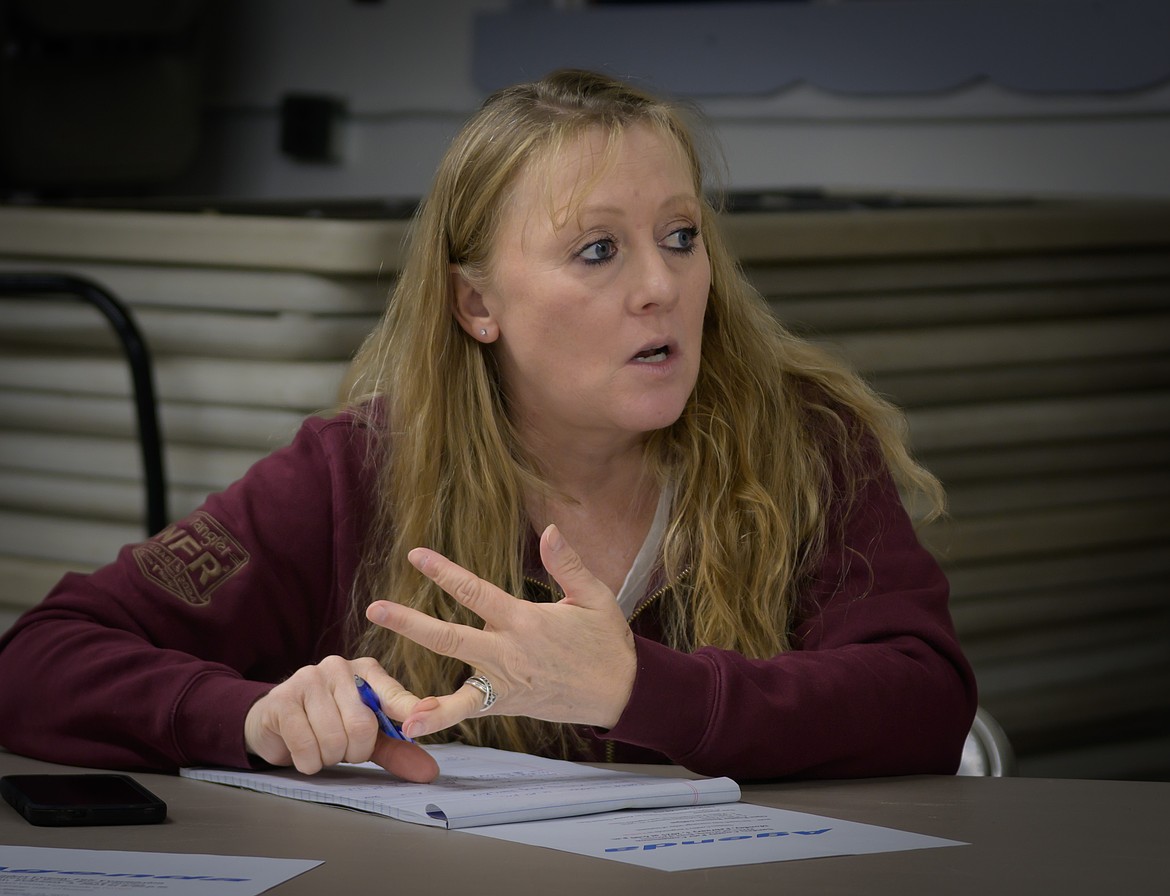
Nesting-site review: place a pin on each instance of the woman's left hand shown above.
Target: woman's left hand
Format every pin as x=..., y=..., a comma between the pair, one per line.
x=568, y=661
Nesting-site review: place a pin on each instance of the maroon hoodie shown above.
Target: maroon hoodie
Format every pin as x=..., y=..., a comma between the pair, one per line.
x=153, y=661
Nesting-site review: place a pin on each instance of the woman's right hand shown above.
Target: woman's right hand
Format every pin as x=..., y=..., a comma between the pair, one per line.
x=316, y=718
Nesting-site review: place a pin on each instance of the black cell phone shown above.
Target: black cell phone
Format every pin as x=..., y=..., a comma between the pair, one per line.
x=82, y=799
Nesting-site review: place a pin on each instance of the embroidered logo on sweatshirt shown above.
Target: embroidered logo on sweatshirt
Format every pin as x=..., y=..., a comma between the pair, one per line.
x=192, y=558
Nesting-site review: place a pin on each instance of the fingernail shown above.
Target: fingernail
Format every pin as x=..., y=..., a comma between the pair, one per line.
x=413, y=729
x=554, y=538
x=376, y=614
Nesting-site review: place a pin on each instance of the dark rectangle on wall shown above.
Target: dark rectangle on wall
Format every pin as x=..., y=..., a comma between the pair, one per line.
x=751, y=49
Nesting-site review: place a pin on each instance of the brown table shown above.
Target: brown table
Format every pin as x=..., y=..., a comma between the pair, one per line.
x=1026, y=835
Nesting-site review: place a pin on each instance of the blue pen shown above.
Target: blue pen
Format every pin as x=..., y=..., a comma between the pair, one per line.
x=371, y=700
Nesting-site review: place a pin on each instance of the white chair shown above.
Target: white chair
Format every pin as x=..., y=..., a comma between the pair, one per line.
x=987, y=751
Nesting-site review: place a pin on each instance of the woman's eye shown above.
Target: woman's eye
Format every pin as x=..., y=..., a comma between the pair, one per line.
x=602, y=250
x=682, y=240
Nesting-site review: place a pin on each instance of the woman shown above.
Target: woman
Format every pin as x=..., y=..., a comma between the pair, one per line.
x=585, y=497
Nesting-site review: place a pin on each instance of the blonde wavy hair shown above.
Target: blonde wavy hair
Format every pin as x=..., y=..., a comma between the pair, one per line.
x=774, y=428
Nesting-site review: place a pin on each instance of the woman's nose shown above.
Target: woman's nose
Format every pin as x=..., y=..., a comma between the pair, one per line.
x=652, y=283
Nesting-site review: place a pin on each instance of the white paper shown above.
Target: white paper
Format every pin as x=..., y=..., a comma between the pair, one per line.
x=480, y=785
x=710, y=836
x=38, y=871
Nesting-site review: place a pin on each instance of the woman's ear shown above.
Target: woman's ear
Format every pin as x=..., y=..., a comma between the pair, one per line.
x=469, y=309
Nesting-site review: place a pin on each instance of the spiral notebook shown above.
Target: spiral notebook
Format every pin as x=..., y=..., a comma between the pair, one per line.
x=480, y=786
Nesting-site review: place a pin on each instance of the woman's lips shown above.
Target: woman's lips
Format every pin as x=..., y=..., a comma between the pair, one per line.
x=653, y=354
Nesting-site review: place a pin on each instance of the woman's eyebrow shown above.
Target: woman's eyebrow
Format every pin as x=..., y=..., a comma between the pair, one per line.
x=606, y=209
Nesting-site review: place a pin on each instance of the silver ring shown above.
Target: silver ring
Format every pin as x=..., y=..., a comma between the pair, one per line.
x=480, y=683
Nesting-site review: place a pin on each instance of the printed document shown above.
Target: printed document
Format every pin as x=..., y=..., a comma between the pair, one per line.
x=37, y=871
x=481, y=786
x=710, y=836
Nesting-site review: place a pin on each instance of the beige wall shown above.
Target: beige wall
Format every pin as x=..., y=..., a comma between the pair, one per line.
x=405, y=73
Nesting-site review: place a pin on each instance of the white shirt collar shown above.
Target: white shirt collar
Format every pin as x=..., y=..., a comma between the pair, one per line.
x=638, y=578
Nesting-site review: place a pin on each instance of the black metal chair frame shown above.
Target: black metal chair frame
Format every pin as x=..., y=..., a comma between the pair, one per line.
x=23, y=285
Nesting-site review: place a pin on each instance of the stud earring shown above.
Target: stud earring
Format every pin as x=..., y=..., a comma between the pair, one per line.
x=482, y=331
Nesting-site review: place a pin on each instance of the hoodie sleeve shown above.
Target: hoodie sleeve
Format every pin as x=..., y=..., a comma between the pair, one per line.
x=153, y=661
x=876, y=682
